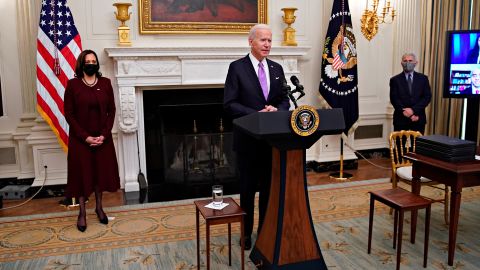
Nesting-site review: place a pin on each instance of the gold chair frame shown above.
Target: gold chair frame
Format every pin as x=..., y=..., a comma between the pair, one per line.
x=402, y=142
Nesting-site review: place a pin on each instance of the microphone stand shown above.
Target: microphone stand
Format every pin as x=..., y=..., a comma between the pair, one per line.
x=341, y=176
x=298, y=90
x=289, y=93
x=292, y=98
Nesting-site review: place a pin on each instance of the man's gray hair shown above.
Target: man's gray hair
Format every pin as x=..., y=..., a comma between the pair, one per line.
x=253, y=30
x=409, y=54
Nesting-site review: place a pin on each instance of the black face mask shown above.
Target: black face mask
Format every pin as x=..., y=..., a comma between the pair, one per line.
x=90, y=69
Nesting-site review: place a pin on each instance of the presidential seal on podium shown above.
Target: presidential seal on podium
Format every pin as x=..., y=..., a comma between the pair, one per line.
x=304, y=120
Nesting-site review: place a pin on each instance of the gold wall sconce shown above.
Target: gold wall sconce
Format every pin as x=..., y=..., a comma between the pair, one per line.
x=371, y=18
x=123, y=31
x=289, y=32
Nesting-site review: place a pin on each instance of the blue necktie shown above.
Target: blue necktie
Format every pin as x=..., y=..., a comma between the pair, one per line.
x=410, y=82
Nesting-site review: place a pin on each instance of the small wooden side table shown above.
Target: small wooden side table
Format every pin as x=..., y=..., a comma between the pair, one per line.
x=400, y=200
x=230, y=214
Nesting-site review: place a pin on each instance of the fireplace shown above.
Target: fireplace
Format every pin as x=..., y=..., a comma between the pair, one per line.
x=188, y=143
x=141, y=72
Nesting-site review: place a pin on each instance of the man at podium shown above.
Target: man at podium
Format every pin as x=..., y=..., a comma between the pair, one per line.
x=254, y=84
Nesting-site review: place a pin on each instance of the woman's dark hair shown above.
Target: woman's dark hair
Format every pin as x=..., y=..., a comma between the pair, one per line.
x=81, y=63
x=476, y=47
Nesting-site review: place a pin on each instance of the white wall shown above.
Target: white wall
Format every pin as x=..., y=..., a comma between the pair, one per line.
x=97, y=25
x=11, y=94
x=9, y=68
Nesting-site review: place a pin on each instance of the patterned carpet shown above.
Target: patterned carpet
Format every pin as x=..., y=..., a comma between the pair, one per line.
x=162, y=236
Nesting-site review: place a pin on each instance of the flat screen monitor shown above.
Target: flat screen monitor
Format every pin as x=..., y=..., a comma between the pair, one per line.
x=462, y=64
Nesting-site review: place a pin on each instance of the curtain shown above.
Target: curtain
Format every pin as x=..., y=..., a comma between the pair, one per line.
x=476, y=25
x=445, y=115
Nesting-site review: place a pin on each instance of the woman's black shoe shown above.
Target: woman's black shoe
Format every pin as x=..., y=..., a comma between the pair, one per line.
x=103, y=220
x=81, y=228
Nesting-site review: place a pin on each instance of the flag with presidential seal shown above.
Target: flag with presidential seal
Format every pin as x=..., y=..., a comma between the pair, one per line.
x=338, y=84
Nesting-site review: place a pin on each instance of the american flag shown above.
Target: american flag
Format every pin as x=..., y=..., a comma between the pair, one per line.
x=339, y=60
x=58, y=46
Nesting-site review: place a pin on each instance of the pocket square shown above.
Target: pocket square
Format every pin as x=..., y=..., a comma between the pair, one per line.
x=276, y=78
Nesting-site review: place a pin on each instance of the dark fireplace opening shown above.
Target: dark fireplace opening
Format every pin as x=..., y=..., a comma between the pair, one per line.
x=188, y=143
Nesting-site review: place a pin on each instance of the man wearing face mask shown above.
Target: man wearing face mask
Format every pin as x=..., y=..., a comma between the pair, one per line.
x=409, y=94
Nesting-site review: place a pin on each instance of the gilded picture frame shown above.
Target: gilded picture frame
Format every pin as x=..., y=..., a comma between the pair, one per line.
x=200, y=16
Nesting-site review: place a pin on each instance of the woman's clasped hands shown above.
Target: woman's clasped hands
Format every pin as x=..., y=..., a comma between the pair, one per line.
x=95, y=141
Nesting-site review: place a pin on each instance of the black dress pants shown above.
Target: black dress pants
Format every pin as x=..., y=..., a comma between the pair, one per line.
x=410, y=126
x=254, y=173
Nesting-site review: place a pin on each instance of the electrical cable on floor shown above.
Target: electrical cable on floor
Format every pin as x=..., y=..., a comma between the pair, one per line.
x=45, y=179
x=362, y=156
x=36, y=193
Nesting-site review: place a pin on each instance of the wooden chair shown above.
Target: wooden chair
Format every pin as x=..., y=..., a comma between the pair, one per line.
x=402, y=142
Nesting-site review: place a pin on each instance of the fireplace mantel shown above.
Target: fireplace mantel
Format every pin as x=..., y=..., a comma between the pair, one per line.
x=154, y=68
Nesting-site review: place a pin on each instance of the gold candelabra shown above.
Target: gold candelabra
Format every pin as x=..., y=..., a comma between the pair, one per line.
x=371, y=18
x=289, y=32
x=123, y=31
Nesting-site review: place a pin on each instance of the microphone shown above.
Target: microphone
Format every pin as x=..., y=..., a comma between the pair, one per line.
x=298, y=87
x=287, y=90
x=296, y=82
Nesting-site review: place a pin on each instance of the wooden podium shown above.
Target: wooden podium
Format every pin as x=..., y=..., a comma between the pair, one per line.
x=287, y=238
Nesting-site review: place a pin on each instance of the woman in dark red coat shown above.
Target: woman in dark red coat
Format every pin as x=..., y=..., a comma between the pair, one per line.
x=90, y=112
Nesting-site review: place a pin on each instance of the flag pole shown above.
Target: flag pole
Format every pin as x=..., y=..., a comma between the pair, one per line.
x=339, y=77
x=69, y=202
x=340, y=175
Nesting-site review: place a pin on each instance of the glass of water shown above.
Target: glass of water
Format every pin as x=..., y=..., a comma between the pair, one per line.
x=217, y=195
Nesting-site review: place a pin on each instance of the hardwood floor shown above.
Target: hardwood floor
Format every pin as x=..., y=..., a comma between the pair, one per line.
x=365, y=171
x=52, y=205
x=380, y=168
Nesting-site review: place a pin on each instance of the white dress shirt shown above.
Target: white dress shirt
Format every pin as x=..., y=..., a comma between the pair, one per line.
x=265, y=67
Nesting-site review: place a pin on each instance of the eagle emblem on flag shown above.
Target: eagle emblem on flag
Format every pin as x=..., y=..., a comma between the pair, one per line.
x=343, y=55
x=339, y=80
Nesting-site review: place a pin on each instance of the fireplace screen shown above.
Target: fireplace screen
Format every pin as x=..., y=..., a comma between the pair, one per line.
x=198, y=157
x=188, y=143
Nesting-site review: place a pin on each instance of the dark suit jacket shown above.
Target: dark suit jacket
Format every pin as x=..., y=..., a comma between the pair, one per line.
x=468, y=90
x=472, y=57
x=243, y=95
x=401, y=98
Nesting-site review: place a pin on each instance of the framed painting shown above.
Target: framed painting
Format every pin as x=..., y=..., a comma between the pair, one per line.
x=200, y=16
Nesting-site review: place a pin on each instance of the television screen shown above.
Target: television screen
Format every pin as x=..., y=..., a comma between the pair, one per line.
x=462, y=64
